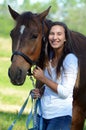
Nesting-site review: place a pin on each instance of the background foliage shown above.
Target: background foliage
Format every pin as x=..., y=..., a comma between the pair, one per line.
x=70, y=12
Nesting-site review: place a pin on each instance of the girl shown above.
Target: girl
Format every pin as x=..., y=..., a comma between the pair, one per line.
x=59, y=76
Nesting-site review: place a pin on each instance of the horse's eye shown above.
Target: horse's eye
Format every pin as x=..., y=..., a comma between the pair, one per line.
x=34, y=36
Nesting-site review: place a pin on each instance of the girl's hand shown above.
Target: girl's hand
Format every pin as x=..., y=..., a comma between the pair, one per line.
x=35, y=93
x=38, y=73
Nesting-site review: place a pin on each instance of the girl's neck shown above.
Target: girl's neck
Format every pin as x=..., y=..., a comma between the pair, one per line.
x=58, y=52
x=57, y=55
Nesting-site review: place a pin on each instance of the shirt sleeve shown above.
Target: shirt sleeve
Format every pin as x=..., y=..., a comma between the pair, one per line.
x=68, y=76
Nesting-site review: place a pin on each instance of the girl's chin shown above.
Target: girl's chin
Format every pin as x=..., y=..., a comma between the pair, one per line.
x=55, y=46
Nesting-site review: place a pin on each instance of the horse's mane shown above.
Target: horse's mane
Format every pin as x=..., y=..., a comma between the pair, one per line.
x=48, y=24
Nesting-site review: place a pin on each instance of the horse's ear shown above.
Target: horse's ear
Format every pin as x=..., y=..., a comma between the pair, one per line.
x=44, y=14
x=13, y=13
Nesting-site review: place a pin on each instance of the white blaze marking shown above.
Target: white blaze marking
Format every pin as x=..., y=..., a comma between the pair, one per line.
x=22, y=29
x=21, y=32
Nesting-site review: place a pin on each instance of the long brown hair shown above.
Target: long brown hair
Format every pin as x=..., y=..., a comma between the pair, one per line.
x=67, y=46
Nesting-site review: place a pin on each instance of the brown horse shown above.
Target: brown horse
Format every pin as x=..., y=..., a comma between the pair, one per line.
x=27, y=44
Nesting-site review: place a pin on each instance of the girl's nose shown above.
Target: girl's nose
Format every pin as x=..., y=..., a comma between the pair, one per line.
x=55, y=36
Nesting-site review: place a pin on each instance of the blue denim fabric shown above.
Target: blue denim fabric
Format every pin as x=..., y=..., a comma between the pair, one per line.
x=58, y=123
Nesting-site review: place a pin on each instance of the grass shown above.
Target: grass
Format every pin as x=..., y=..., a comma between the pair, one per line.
x=7, y=119
x=11, y=97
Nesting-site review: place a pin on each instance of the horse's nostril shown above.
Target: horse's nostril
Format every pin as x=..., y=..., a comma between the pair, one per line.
x=19, y=74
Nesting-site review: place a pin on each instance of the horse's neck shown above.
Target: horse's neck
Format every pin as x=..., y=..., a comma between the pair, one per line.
x=78, y=43
x=46, y=27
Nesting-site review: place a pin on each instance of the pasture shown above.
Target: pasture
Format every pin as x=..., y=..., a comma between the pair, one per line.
x=11, y=97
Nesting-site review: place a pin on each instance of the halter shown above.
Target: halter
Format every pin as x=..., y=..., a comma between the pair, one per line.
x=24, y=56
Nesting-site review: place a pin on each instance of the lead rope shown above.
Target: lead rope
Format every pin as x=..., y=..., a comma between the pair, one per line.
x=19, y=114
x=22, y=108
x=33, y=114
x=35, y=104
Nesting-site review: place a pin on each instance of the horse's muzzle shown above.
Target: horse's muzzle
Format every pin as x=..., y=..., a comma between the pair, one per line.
x=16, y=78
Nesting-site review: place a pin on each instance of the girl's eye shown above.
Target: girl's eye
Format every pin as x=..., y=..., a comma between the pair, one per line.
x=59, y=33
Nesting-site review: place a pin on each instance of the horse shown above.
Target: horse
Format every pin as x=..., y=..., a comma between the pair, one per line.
x=28, y=41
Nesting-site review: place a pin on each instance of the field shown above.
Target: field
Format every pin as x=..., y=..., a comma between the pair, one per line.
x=12, y=97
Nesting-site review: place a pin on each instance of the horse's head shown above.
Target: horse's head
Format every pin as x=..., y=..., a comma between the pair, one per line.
x=26, y=43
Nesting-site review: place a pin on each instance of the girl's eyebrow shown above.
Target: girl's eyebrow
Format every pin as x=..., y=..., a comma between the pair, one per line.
x=54, y=32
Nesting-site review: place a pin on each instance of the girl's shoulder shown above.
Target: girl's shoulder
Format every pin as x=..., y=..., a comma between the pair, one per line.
x=70, y=59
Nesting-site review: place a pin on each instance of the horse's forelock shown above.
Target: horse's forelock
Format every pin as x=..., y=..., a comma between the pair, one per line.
x=28, y=19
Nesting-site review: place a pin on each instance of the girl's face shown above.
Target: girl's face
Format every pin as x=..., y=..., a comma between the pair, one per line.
x=57, y=36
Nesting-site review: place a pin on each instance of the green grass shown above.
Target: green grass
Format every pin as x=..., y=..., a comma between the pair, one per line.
x=11, y=97
x=8, y=118
x=5, y=47
x=12, y=93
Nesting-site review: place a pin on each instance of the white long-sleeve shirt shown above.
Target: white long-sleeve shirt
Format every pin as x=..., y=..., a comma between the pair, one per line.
x=60, y=104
